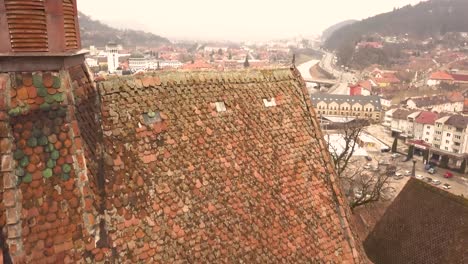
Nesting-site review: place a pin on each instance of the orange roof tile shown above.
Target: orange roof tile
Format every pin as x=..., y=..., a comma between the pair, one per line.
x=441, y=75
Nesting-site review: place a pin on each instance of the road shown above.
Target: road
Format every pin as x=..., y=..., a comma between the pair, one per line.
x=458, y=185
x=326, y=64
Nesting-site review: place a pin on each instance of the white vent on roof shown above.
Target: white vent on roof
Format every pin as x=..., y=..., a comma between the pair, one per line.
x=269, y=103
x=220, y=107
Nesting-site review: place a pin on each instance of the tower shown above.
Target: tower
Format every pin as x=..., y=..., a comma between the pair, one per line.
x=47, y=97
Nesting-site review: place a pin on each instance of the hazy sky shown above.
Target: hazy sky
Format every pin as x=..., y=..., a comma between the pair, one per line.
x=233, y=19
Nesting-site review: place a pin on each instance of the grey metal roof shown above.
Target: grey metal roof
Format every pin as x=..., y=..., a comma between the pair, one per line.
x=340, y=99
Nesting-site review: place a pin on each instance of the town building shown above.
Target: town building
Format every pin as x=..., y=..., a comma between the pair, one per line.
x=443, y=135
x=439, y=77
x=357, y=89
x=167, y=167
x=112, y=50
x=400, y=124
x=424, y=126
x=362, y=107
x=138, y=62
x=436, y=103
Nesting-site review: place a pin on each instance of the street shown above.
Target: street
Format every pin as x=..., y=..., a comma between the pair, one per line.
x=327, y=62
x=458, y=185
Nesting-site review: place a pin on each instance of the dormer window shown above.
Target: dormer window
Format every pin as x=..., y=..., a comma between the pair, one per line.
x=269, y=102
x=152, y=117
x=220, y=107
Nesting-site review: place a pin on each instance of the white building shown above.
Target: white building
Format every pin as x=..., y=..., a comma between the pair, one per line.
x=92, y=62
x=113, y=53
x=424, y=126
x=137, y=63
x=387, y=122
x=411, y=123
x=436, y=103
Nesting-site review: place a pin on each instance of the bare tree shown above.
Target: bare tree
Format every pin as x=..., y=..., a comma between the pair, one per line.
x=361, y=184
x=343, y=145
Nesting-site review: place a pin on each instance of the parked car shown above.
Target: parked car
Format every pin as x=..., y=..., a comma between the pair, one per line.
x=398, y=174
x=428, y=179
x=446, y=186
x=419, y=177
x=385, y=149
x=367, y=166
x=436, y=182
x=431, y=170
x=395, y=155
x=448, y=174
x=407, y=173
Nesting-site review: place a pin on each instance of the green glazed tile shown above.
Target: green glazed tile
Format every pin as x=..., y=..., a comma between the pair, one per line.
x=27, y=178
x=47, y=173
x=43, y=141
x=45, y=107
x=42, y=92
x=24, y=162
x=37, y=81
x=51, y=164
x=19, y=154
x=55, y=155
x=65, y=176
x=66, y=168
x=57, y=83
x=32, y=142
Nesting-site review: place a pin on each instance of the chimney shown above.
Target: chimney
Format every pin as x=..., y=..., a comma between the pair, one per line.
x=31, y=30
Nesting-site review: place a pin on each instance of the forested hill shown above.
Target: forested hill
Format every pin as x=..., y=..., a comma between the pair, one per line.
x=426, y=19
x=94, y=32
x=329, y=31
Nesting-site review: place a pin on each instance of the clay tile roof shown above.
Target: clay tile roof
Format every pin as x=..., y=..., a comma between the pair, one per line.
x=456, y=97
x=460, y=77
x=457, y=121
x=402, y=114
x=427, y=101
x=203, y=167
x=441, y=75
x=366, y=84
x=426, y=118
x=424, y=224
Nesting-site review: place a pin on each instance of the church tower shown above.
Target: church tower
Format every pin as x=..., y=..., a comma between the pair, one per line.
x=48, y=212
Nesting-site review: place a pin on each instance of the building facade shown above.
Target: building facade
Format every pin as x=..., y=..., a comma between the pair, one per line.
x=362, y=107
x=436, y=103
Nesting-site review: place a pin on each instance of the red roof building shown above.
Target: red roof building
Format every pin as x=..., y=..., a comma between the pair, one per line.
x=441, y=76
x=460, y=78
x=355, y=90
x=426, y=118
x=197, y=65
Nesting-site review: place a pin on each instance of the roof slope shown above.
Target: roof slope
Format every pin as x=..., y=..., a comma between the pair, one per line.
x=427, y=118
x=423, y=225
x=252, y=184
x=430, y=100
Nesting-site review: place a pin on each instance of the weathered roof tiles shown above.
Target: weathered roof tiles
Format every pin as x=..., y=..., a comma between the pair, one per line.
x=249, y=183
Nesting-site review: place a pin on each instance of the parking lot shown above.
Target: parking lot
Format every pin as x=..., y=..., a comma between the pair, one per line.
x=457, y=184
